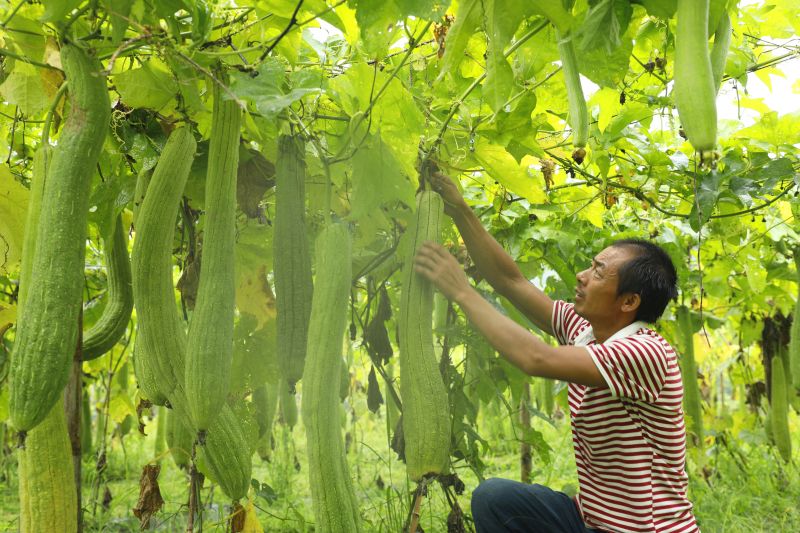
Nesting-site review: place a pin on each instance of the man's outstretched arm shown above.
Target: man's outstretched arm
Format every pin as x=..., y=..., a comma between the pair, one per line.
x=515, y=343
x=494, y=264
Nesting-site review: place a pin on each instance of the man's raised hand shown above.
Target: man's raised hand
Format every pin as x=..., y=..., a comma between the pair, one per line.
x=446, y=187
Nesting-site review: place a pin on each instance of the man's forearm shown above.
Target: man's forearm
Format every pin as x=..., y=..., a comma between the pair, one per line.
x=515, y=343
x=526, y=351
x=493, y=262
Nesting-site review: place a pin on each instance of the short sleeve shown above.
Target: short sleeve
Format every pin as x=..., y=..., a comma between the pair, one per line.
x=566, y=323
x=634, y=367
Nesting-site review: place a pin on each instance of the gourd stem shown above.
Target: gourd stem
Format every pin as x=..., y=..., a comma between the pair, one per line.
x=50, y=112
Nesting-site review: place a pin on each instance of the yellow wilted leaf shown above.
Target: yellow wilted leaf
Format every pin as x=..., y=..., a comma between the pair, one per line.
x=121, y=406
x=13, y=209
x=251, y=523
x=254, y=296
x=8, y=314
x=594, y=213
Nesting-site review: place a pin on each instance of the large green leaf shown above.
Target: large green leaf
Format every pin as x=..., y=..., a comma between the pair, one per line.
x=504, y=169
x=395, y=115
x=377, y=180
x=502, y=18
x=148, y=86
x=468, y=19
x=28, y=88
x=266, y=90
x=377, y=22
x=57, y=10
x=605, y=23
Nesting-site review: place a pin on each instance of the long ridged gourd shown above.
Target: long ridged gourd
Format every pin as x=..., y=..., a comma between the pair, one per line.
x=111, y=325
x=779, y=415
x=41, y=163
x=226, y=453
x=180, y=440
x=143, y=363
x=426, y=412
x=288, y=404
x=47, y=331
x=578, y=117
x=293, y=283
x=47, y=493
x=265, y=401
x=794, y=339
x=333, y=498
x=691, y=390
x=160, y=445
x=161, y=331
x=142, y=182
x=695, y=92
x=719, y=52
x=209, y=350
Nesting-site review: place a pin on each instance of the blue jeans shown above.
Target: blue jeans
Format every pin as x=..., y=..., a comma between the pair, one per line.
x=503, y=505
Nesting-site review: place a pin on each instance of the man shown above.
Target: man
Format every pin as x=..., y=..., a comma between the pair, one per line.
x=625, y=389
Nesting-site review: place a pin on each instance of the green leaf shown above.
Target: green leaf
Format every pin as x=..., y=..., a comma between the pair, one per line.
x=607, y=102
x=57, y=10
x=108, y=200
x=705, y=199
x=13, y=210
x=425, y=9
x=120, y=12
x=395, y=116
x=26, y=88
x=377, y=180
x=774, y=130
x=266, y=90
x=504, y=169
x=468, y=19
x=377, y=20
x=148, y=86
x=604, y=68
x=120, y=407
x=774, y=171
x=502, y=17
x=664, y=9
x=25, y=35
x=605, y=23
x=254, y=358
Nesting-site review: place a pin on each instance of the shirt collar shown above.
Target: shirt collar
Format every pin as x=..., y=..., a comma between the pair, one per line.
x=586, y=336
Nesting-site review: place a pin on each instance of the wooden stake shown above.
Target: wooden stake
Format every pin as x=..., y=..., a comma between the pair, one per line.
x=412, y=528
x=525, y=463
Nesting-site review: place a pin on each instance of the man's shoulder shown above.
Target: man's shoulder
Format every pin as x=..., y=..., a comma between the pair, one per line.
x=652, y=340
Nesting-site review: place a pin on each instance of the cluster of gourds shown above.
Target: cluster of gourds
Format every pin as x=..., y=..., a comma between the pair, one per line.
x=189, y=373
x=187, y=378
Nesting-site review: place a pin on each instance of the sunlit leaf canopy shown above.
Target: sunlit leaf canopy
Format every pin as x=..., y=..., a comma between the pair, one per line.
x=377, y=87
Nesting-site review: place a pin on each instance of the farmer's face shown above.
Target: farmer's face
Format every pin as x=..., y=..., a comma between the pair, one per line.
x=596, y=291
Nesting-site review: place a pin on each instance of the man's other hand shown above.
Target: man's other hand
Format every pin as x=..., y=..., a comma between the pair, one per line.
x=436, y=264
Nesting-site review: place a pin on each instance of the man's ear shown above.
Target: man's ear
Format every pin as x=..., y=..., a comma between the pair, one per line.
x=631, y=302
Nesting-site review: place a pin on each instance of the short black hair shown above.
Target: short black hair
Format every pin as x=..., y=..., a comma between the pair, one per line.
x=650, y=274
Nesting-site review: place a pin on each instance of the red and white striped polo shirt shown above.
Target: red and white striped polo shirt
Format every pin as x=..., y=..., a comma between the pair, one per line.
x=629, y=438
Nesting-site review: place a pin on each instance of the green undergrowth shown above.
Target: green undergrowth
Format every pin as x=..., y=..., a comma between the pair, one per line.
x=743, y=486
